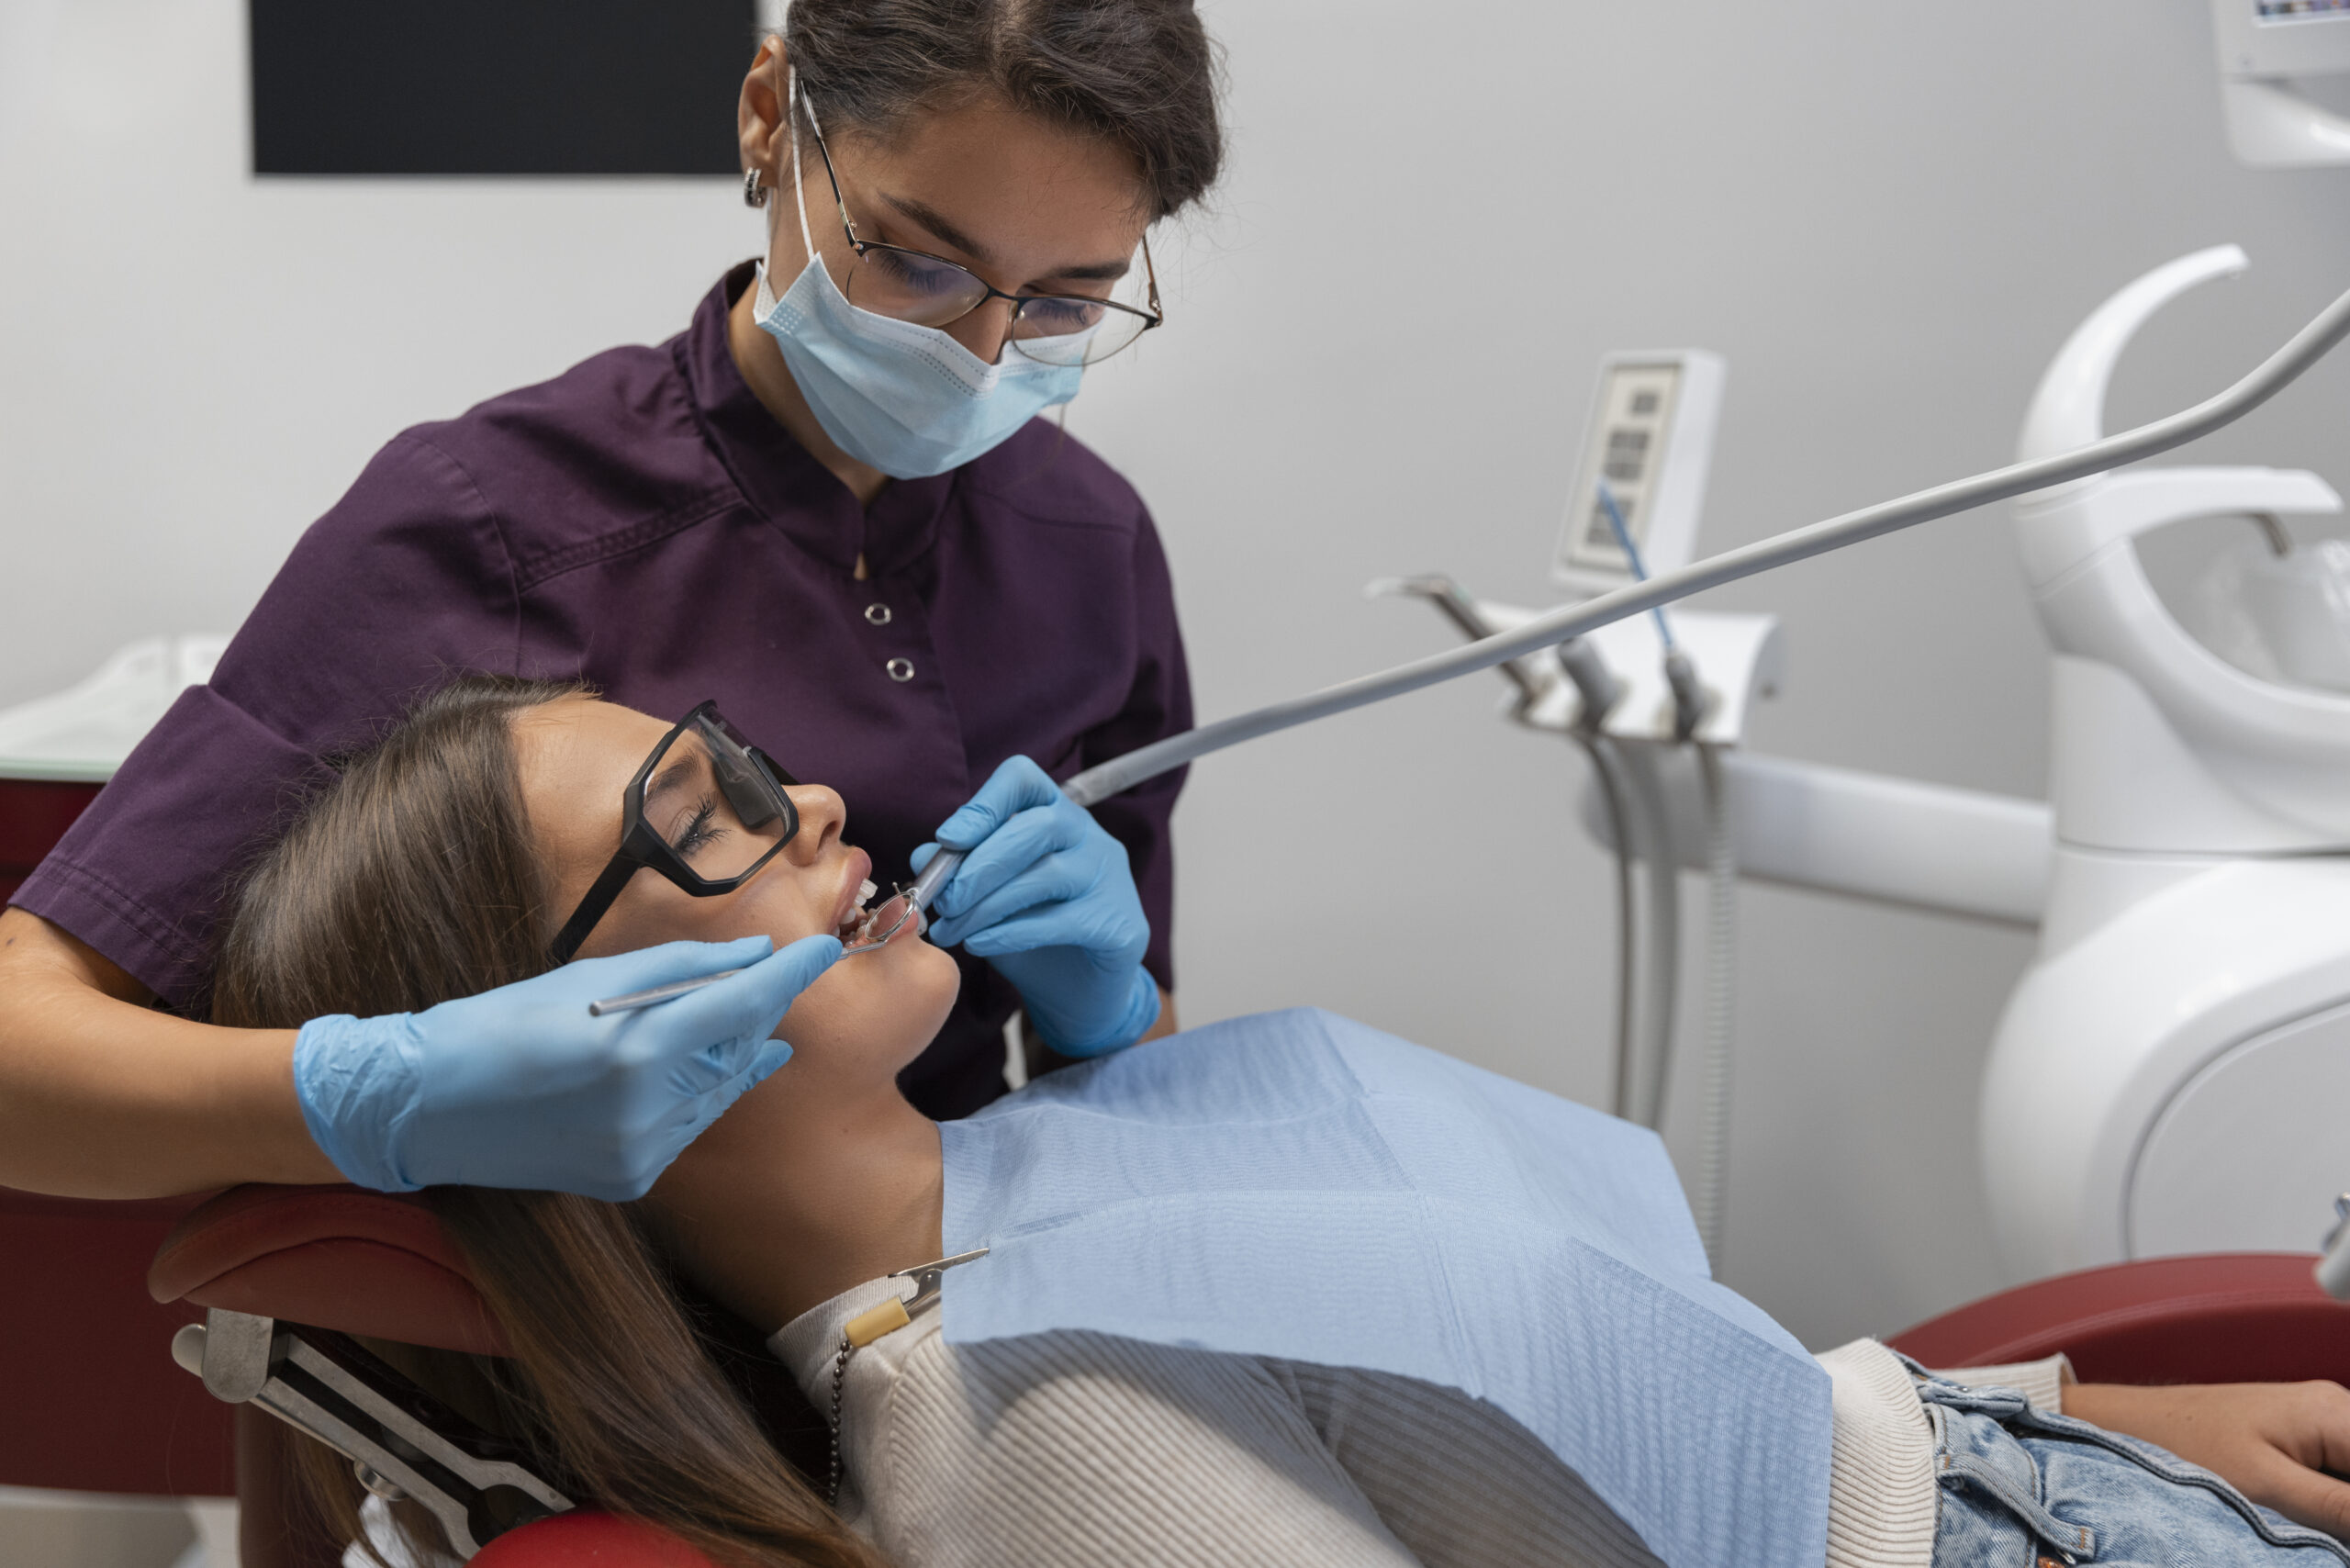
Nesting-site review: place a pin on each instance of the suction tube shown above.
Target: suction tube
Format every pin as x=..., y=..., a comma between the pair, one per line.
x=1710, y=1193
x=2307, y=346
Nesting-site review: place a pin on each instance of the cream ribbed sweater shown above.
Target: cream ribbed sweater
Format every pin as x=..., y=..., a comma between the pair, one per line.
x=1071, y=1450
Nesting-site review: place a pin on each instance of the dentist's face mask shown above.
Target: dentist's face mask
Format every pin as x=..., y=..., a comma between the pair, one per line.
x=905, y=398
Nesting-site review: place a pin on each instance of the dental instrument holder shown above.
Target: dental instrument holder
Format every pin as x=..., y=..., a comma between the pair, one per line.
x=401, y=1442
x=1743, y=657
x=1589, y=672
x=1689, y=696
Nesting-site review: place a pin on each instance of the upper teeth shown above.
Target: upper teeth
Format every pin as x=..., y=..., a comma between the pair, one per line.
x=860, y=919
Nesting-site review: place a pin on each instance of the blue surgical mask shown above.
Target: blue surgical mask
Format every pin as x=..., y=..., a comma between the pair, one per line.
x=908, y=399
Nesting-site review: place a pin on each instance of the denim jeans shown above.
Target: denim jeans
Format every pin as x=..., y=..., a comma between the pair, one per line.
x=2020, y=1487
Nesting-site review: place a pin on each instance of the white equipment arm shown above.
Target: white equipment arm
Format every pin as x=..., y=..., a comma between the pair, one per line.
x=1897, y=841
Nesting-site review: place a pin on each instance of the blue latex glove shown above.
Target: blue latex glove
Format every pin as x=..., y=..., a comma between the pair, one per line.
x=1047, y=897
x=519, y=1087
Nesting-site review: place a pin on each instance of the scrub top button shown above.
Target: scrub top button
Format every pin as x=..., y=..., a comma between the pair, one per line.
x=876, y=614
x=901, y=670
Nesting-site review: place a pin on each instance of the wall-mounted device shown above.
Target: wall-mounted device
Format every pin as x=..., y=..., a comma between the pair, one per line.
x=1651, y=439
x=2268, y=48
x=523, y=87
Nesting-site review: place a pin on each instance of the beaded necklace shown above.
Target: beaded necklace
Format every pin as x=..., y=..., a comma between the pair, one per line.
x=870, y=1325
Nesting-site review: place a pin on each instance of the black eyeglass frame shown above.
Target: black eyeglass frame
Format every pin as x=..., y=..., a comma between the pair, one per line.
x=1152, y=317
x=643, y=848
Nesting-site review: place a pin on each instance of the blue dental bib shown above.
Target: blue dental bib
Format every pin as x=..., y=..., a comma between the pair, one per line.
x=1300, y=1186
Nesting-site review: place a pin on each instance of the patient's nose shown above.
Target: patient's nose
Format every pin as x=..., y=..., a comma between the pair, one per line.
x=822, y=815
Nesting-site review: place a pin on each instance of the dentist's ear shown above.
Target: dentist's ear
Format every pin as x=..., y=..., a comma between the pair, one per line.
x=761, y=118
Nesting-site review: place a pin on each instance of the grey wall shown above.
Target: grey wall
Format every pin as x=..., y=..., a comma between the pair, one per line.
x=1380, y=348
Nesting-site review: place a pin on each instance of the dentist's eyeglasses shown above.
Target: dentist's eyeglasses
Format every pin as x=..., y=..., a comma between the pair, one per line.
x=931, y=291
x=706, y=810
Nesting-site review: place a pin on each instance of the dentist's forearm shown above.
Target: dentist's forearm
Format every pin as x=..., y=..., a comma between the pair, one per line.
x=102, y=1097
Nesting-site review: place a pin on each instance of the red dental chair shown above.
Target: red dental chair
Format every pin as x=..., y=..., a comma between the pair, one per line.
x=340, y=1258
x=2213, y=1317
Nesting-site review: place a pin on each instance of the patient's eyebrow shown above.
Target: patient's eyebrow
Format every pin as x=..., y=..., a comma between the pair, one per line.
x=929, y=217
x=678, y=773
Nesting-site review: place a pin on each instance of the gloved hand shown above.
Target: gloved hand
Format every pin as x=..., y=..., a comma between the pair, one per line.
x=1047, y=897
x=519, y=1087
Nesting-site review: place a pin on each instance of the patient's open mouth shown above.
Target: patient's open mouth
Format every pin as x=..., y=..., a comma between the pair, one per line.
x=865, y=930
x=859, y=924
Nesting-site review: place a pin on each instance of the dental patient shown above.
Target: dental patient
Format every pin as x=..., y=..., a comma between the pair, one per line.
x=445, y=859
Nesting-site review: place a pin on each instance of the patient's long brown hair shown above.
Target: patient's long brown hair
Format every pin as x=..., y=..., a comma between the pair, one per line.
x=414, y=879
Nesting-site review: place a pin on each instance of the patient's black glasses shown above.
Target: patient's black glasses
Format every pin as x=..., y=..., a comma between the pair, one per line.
x=707, y=809
x=931, y=291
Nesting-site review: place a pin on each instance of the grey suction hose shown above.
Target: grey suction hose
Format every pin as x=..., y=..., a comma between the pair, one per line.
x=1600, y=691
x=1605, y=763
x=1661, y=996
x=1710, y=1191
x=2305, y=349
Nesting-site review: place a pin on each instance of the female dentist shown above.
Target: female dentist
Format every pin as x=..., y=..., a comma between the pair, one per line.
x=828, y=504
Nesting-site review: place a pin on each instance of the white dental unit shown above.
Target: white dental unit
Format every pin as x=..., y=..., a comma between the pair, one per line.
x=2270, y=51
x=2169, y=1074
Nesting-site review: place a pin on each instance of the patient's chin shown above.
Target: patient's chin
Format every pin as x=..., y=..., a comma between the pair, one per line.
x=880, y=1009
x=930, y=979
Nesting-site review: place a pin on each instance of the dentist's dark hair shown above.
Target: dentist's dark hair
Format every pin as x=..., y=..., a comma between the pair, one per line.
x=414, y=879
x=1139, y=73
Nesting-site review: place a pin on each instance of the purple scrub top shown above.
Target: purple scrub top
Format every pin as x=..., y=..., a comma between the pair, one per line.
x=642, y=523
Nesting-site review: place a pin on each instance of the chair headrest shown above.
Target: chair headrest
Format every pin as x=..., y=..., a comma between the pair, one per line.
x=340, y=1258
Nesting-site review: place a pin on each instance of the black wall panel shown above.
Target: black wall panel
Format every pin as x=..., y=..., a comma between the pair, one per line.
x=498, y=86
